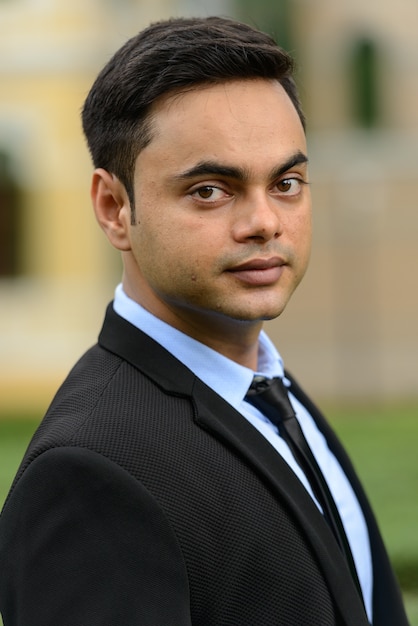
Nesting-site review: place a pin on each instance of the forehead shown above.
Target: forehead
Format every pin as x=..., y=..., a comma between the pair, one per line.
x=244, y=120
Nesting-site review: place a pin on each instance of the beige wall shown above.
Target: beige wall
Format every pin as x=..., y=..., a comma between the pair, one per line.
x=355, y=316
x=361, y=294
x=50, y=52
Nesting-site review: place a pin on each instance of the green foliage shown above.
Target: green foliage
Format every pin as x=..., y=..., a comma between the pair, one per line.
x=272, y=16
x=365, y=96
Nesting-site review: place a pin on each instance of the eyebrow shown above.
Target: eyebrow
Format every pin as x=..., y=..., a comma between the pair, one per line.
x=212, y=168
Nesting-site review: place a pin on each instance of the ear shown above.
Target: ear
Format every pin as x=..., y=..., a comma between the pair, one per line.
x=111, y=207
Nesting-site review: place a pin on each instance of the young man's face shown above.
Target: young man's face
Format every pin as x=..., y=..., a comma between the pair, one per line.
x=222, y=209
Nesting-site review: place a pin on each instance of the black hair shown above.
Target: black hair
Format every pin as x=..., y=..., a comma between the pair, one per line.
x=172, y=56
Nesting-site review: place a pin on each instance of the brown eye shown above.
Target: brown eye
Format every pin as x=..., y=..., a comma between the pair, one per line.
x=285, y=185
x=290, y=186
x=209, y=194
x=205, y=192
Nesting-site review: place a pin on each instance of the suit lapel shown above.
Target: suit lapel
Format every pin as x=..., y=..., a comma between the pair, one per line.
x=216, y=416
x=388, y=608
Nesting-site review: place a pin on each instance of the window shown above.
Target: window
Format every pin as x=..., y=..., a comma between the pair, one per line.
x=365, y=97
x=10, y=207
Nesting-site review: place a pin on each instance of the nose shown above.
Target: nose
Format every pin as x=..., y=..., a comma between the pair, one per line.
x=257, y=217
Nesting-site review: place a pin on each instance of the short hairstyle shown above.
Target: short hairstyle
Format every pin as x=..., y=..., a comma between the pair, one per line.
x=172, y=56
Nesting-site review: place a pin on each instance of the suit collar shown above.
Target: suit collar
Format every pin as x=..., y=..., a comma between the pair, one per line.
x=125, y=340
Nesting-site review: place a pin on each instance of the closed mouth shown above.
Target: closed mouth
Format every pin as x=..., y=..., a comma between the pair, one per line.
x=259, y=272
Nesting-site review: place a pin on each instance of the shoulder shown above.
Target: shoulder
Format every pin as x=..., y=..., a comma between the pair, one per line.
x=74, y=507
x=106, y=405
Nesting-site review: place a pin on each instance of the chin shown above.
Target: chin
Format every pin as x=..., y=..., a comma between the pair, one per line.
x=258, y=314
x=269, y=311
x=257, y=309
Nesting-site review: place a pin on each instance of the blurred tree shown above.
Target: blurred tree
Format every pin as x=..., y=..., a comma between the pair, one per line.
x=271, y=16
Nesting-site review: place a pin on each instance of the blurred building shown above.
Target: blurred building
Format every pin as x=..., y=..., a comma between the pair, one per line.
x=350, y=330
x=355, y=317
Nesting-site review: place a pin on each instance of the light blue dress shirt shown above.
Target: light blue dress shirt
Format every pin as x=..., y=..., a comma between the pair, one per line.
x=231, y=381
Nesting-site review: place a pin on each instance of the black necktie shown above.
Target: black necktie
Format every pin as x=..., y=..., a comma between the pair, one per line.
x=271, y=398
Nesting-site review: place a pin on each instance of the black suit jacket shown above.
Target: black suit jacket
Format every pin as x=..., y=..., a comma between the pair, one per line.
x=145, y=499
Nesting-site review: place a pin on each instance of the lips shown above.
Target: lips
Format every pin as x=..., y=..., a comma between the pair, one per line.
x=259, y=272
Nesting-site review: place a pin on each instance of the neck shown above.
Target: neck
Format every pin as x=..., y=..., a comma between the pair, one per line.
x=242, y=348
x=235, y=339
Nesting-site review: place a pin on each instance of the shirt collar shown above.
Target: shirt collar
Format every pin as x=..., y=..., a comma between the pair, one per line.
x=226, y=377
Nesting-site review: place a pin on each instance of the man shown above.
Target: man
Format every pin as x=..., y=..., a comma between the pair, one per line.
x=156, y=491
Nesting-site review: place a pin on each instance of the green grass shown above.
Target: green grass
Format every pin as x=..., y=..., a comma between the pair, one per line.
x=382, y=442
x=383, y=445
x=14, y=438
x=411, y=602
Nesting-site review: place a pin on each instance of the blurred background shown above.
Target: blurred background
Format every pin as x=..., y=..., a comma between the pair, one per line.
x=351, y=330
x=350, y=333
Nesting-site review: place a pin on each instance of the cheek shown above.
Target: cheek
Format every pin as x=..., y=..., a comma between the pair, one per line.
x=167, y=253
x=301, y=237
x=306, y=231
x=300, y=230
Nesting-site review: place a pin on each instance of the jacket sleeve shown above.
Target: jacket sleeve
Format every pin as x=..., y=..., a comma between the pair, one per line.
x=83, y=542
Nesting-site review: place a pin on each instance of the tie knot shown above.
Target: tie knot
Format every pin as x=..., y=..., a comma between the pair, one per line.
x=261, y=384
x=269, y=395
